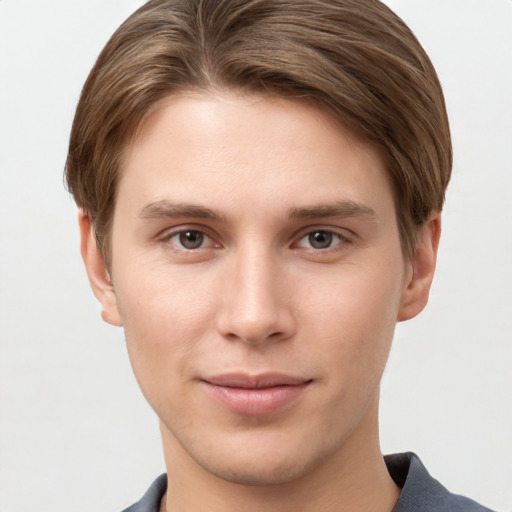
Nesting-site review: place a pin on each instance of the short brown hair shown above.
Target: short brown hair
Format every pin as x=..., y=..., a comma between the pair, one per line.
x=354, y=58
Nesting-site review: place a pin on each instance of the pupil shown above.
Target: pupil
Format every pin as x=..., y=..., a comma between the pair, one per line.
x=191, y=239
x=320, y=239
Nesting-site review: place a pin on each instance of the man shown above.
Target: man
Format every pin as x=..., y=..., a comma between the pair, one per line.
x=260, y=185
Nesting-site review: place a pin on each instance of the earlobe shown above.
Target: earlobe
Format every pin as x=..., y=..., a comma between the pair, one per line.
x=97, y=272
x=415, y=295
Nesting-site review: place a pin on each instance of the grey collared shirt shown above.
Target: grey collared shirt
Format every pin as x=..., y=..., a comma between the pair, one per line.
x=420, y=492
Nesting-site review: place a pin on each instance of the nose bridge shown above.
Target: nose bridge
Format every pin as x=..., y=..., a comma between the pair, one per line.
x=255, y=307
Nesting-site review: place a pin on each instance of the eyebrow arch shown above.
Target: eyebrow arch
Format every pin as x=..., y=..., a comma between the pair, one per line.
x=167, y=209
x=338, y=209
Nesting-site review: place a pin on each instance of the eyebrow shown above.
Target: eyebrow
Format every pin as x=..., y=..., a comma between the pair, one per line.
x=166, y=209
x=339, y=209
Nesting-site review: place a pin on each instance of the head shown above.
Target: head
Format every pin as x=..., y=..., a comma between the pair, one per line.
x=261, y=180
x=356, y=60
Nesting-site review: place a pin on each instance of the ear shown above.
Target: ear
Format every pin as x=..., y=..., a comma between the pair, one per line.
x=97, y=272
x=421, y=271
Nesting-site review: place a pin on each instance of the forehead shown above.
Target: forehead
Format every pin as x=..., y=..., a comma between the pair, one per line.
x=259, y=151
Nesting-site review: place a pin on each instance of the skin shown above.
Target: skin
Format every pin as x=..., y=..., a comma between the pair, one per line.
x=298, y=270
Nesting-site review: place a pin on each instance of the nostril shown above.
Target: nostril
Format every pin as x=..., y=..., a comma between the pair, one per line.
x=255, y=337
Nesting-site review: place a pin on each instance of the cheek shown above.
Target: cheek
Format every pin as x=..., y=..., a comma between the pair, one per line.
x=161, y=299
x=164, y=317
x=353, y=320
x=356, y=297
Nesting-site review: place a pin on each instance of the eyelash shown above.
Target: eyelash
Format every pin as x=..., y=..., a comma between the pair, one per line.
x=329, y=236
x=334, y=240
x=167, y=239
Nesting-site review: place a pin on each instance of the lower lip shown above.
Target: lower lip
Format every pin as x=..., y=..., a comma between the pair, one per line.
x=256, y=402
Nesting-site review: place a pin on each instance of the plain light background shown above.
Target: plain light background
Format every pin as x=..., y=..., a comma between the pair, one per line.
x=75, y=432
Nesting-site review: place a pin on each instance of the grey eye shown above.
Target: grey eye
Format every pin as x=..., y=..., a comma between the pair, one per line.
x=320, y=239
x=191, y=239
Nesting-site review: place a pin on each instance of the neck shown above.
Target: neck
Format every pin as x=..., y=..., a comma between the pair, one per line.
x=354, y=479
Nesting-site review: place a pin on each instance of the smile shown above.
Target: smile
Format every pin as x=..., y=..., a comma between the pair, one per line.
x=255, y=395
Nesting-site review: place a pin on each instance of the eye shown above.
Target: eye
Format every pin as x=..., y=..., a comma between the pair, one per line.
x=189, y=239
x=320, y=239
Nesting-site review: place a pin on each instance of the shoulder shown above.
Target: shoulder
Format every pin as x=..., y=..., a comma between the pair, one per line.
x=421, y=492
x=150, y=502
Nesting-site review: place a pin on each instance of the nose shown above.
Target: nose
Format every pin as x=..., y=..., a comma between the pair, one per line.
x=256, y=306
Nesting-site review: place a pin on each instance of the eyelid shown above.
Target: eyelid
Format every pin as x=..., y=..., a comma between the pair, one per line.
x=166, y=235
x=346, y=237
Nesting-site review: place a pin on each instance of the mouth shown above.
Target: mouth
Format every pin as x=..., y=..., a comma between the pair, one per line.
x=255, y=395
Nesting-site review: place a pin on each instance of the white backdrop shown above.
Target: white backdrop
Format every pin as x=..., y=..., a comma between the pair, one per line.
x=75, y=432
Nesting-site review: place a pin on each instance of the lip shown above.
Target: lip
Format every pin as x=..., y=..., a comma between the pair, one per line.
x=255, y=395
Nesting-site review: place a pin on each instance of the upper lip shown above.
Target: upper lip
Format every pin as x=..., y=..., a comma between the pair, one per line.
x=258, y=381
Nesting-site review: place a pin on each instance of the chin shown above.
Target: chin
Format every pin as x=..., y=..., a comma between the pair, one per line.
x=264, y=465
x=269, y=472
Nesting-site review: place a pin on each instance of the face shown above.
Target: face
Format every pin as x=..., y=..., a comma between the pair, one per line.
x=258, y=274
